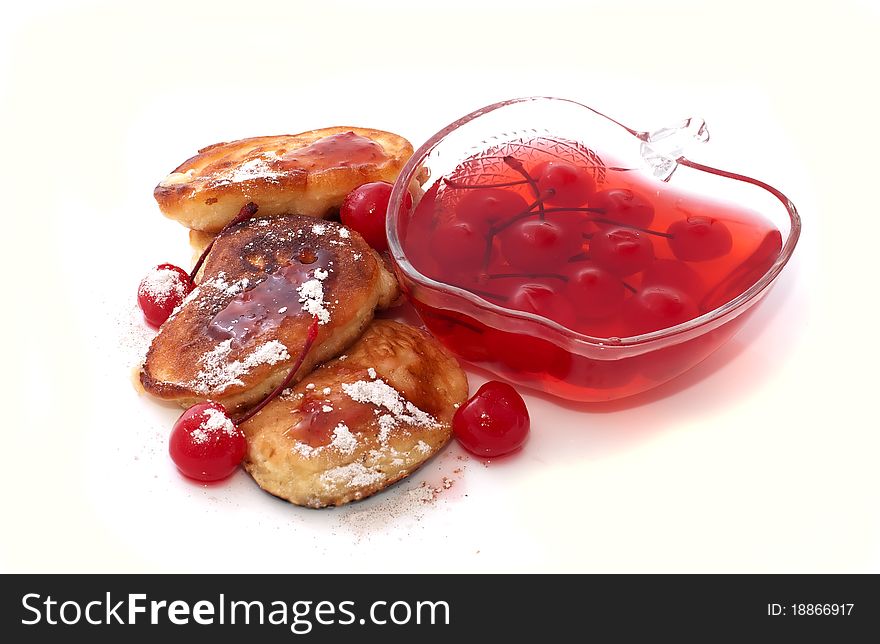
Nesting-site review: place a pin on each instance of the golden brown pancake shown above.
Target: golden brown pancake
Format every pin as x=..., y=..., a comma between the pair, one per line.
x=198, y=242
x=360, y=422
x=308, y=173
x=236, y=336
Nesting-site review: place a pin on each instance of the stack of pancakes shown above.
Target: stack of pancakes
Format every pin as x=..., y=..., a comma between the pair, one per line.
x=373, y=399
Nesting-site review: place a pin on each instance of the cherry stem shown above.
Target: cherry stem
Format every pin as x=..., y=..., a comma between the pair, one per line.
x=462, y=186
x=487, y=255
x=310, y=340
x=525, y=213
x=612, y=222
x=647, y=231
x=247, y=211
x=556, y=276
x=629, y=286
x=518, y=166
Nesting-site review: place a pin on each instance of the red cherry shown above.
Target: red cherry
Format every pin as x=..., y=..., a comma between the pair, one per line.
x=570, y=185
x=543, y=300
x=536, y=245
x=205, y=444
x=621, y=251
x=364, y=209
x=678, y=275
x=624, y=206
x=493, y=422
x=699, y=238
x=162, y=291
x=488, y=207
x=657, y=307
x=594, y=292
x=459, y=246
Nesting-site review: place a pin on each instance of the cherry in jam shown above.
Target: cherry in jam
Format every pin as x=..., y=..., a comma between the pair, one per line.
x=625, y=206
x=657, y=307
x=697, y=239
x=535, y=245
x=459, y=245
x=592, y=291
x=565, y=184
x=488, y=208
x=622, y=251
x=545, y=227
x=543, y=298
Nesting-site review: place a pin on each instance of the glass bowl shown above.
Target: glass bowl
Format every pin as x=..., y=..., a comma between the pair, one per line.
x=536, y=351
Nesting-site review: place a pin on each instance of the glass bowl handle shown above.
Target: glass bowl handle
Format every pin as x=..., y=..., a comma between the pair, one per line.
x=661, y=149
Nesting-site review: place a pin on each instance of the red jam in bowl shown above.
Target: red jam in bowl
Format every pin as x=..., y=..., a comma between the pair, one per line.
x=552, y=265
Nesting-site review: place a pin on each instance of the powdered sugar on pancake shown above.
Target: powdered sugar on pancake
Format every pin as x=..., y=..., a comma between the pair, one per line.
x=352, y=475
x=256, y=168
x=343, y=441
x=379, y=393
x=218, y=372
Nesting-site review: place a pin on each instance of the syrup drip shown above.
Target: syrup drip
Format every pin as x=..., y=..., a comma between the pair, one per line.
x=315, y=427
x=267, y=304
x=346, y=150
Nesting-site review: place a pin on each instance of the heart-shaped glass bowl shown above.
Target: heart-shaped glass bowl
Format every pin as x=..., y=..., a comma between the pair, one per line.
x=530, y=349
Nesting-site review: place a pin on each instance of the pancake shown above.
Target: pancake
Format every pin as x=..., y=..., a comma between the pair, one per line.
x=308, y=174
x=198, y=242
x=235, y=337
x=360, y=422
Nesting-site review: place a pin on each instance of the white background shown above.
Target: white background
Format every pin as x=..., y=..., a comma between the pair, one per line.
x=761, y=459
